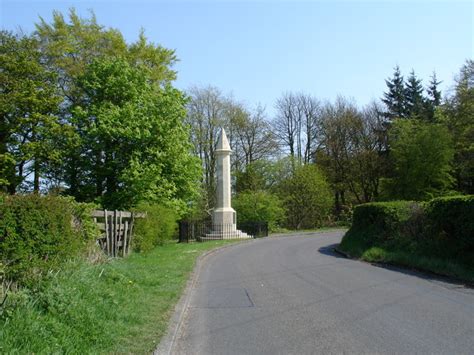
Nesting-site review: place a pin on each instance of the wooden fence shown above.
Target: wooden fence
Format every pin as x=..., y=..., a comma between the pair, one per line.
x=117, y=228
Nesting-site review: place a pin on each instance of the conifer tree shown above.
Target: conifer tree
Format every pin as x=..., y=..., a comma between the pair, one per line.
x=394, y=99
x=414, y=102
x=433, y=100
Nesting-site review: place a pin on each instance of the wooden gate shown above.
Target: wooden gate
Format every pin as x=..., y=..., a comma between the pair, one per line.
x=117, y=228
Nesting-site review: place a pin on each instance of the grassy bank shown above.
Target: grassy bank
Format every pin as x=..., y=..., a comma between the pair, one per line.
x=356, y=248
x=120, y=306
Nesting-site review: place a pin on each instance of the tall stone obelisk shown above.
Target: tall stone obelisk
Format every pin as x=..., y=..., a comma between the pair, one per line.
x=224, y=214
x=224, y=217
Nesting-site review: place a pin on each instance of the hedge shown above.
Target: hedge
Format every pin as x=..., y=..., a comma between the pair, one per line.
x=38, y=233
x=442, y=227
x=451, y=224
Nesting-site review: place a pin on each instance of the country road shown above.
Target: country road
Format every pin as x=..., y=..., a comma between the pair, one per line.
x=294, y=295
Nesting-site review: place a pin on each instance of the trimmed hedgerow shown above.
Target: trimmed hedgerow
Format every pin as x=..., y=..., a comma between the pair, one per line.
x=380, y=221
x=450, y=226
x=38, y=233
x=441, y=230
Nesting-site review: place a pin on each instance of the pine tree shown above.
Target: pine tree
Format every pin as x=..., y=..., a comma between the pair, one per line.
x=394, y=99
x=433, y=92
x=414, y=104
x=434, y=98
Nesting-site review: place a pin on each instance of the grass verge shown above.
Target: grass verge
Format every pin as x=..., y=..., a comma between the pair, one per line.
x=356, y=248
x=122, y=306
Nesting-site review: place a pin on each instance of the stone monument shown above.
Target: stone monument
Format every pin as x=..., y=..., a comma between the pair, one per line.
x=224, y=220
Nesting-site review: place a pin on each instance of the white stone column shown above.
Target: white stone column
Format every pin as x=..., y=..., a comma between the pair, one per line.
x=224, y=219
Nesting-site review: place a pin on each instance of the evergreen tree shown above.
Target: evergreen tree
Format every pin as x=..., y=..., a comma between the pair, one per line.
x=414, y=102
x=394, y=99
x=434, y=98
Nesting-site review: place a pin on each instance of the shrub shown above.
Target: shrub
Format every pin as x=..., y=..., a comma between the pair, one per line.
x=306, y=197
x=159, y=225
x=38, y=233
x=442, y=227
x=259, y=206
x=451, y=224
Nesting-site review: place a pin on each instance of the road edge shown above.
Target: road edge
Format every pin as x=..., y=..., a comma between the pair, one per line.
x=167, y=341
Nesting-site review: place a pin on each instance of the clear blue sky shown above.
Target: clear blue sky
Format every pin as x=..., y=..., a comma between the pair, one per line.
x=258, y=50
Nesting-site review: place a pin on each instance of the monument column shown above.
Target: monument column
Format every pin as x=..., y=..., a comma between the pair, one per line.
x=224, y=215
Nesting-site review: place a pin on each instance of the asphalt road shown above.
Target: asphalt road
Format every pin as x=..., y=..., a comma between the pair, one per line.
x=294, y=295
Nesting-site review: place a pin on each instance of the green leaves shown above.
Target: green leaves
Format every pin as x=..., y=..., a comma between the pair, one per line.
x=421, y=155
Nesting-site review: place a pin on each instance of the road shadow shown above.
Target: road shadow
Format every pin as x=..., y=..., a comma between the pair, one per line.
x=446, y=281
x=330, y=251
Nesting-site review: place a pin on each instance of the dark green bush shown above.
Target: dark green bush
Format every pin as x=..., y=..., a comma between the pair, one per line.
x=442, y=227
x=160, y=224
x=38, y=233
x=382, y=221
x=451, y=224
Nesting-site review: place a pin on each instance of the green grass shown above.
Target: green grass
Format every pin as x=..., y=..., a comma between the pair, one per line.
x=355, y=247
x=122, y=306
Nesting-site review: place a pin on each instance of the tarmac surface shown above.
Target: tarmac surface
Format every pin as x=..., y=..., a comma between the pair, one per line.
x=295, y=295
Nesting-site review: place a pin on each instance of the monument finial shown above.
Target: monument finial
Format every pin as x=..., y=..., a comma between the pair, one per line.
x=223, y=143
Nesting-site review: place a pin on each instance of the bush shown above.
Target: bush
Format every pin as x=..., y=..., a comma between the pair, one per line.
x=451, y=224
x=38, y=233
x=159, y=225
x=381, y=220
x=442, y=227
x=306, y=197
x=259, y=206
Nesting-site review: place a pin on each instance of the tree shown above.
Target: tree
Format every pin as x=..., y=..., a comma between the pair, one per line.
x=255, y=206
x=68, y=47
x=295, y=125
x=457, y=113
x=134, y=145
x=206, y=112
x=253, y=136
x=306, y=197
x=421, y=155
x=433, y=101
x=352, y=150
x=394, y=98
x=28, y=107
x=414, y=101
x=333, y=154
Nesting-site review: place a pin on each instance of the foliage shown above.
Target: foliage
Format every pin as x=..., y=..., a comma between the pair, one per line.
x=39, y=233
x=352, y=151
x=380, y=221
x=451, y=224
x=421, y=155
x=134, y=145
x=437, y=235
x=122, y=306
x=306, y=198
x=258, y=206
x=158, y=226
x=394, y=99
x=28, y=105
x=457, y=113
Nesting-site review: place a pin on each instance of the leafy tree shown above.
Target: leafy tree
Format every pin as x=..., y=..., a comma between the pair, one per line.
x=457, y=113
x=394, y=98
x=421, y=155
x=414, y=101
x=68, y=47
x=134, y=145
x=256, y=206
x=306, y=197
x=28, y=105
